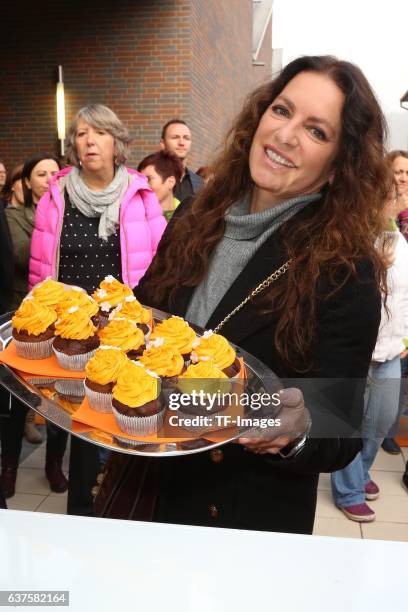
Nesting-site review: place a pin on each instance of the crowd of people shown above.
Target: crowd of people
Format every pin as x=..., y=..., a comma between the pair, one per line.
x=303, y=201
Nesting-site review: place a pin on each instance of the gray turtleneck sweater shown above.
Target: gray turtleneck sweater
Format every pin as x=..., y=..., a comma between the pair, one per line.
x=244, y=235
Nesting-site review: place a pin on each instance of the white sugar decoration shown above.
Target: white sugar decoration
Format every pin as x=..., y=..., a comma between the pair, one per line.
x=105, y=306
x=72, y=309
x=155, y=343
x=129, y=298
x=205, y=358
x=109, y=278
x=208, y=333
x=196, y=343
x=79, y=289
x=194, y=357
x=101, y=293
x=139, y=363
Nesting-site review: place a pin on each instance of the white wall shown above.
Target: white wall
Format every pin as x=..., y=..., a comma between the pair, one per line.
x=371, y=33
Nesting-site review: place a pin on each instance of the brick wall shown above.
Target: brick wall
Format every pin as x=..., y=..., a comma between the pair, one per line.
x=149, y=60
x=132, y=55
x=222, y=72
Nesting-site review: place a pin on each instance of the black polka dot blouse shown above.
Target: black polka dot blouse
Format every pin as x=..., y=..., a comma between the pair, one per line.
x=85, y=259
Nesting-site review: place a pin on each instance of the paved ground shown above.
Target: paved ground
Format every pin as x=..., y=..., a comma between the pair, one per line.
x=32, y=493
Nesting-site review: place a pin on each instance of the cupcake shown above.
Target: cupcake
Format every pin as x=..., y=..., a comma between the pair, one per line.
x=137, y=404
x=75, y=296
x=49, y=292
x=76, y=339
x=177, y=333
x=162, y=359
x=207, y=385
x=33, y=329
x=109, y=295
x=102, y=372
x=216, y=347
x=131, y=309
x=124, y=334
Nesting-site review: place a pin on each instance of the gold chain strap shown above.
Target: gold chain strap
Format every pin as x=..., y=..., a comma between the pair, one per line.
x=261, y=287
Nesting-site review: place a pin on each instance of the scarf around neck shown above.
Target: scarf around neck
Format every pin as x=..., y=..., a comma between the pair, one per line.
x=104, y=204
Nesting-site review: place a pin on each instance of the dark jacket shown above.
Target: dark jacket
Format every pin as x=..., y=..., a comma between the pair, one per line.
x=6, y=264
x=189, y=185
x=21, y=223
x=265, y=492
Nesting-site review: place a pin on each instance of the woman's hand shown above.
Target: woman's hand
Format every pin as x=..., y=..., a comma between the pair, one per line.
x=294, y=423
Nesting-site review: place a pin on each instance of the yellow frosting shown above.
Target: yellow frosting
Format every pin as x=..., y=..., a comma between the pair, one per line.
x=131, y=309
x=176, y=333
x=33, y=317
x=111, y=293
x=136, y=386
x=73, y=297
x=203, y=376
x=164, y=360
x=203, y=369
x=216, y=347
x=122, y=333
x=74, y=324
x=105, y=365
x=48, y=292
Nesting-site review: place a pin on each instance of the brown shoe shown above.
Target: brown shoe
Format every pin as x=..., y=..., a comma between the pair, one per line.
x=54, y=473
x=31, y=433
x=9, y=466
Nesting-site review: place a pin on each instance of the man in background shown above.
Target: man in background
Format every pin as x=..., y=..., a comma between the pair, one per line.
x=176, y=139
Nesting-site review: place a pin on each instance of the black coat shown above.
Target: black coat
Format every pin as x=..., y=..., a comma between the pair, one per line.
x=237, y=488
x=6, y=264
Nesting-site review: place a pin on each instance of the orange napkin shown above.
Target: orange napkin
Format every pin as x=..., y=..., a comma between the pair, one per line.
x=49, y=367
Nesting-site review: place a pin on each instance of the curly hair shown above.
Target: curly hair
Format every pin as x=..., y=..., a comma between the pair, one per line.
x=335, y=237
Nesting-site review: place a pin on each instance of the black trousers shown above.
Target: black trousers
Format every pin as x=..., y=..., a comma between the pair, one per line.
x=84, y=466
x=12, y=431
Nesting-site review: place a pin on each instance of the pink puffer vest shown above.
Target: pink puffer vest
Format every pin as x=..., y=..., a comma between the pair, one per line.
x=141, y=227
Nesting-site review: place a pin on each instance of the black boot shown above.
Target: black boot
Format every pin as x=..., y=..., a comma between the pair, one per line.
x=54, y=474
x=9, y=466
x=405, y=477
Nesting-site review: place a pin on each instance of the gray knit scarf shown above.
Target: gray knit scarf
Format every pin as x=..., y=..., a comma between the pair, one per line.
x=104, y=204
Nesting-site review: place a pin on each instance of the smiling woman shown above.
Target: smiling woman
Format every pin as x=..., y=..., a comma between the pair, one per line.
x=297, y=140
x=299, y=188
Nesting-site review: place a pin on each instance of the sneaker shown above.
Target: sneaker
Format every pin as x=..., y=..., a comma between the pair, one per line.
x=390, y=446
x=359, y=512
x=372, y=491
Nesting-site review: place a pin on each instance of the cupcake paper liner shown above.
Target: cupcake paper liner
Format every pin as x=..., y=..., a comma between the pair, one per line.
x=34, y=350
x=129, y=443
x=139, y=426
x=70, y=387
x=73, y=362
x=101, y=402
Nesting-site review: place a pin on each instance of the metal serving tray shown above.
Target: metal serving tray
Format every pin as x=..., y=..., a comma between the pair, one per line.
x=41, y=395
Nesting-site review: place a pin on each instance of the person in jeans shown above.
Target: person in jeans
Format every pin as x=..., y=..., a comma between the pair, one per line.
x=352, y=485
x=398, y=162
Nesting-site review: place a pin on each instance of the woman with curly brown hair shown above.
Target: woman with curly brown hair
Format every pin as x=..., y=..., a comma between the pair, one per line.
x=299, y=188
